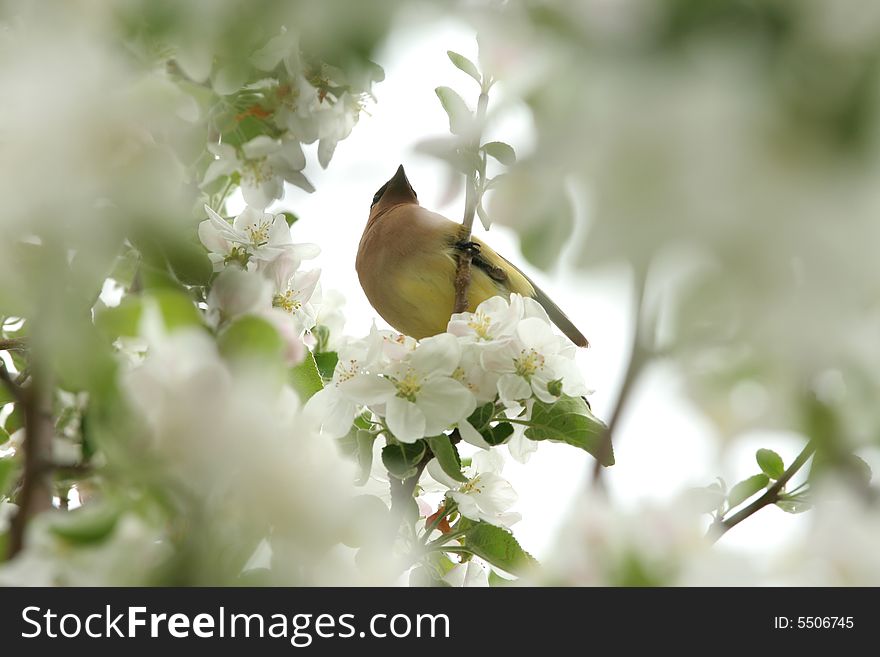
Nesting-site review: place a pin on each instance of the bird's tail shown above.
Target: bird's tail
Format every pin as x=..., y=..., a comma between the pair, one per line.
x=553, y=311
x=559, y=318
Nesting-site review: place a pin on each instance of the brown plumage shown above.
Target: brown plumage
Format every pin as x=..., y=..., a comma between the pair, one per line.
x=406, y=264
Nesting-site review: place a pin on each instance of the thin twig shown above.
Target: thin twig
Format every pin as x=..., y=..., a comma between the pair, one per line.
x=770, y=496
x=13, y=344
x=402, y=490
x=637, y=360
x=465, y=256
x=14, y=389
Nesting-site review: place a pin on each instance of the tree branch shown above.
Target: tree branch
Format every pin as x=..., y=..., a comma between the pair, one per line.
x=402, y=491
x=463, y=271
x=770, y=496
x=637, y=360
x=36, y=489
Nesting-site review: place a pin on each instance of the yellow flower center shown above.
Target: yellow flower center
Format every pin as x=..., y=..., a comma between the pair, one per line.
x=409, y=386
x=346, y=371
x=257, y=171
x=479, y=324
x=259, y=232
x=528, y=363
x=237, y=255
x=472, y=486
x=459, y=375
x=286, y=301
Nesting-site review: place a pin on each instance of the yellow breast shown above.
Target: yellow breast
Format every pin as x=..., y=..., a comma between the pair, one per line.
x=406, y=265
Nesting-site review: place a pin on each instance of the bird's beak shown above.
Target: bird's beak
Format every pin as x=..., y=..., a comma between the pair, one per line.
x=399, y=182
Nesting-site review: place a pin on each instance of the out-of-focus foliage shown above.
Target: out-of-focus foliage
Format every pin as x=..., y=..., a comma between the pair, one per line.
x=729, y=151
x=189, y=387
x=173, y=424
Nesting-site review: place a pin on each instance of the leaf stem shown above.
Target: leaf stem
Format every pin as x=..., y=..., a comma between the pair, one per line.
x=442, y=540
x=449, y=507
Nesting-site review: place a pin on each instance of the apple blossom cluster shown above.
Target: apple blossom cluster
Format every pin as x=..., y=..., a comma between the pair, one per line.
x=480, y=380
x=505, y=354
x=260, y=275
x=295, y=102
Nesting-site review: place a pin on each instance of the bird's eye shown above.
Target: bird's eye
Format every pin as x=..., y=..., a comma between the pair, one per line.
x=378, y=194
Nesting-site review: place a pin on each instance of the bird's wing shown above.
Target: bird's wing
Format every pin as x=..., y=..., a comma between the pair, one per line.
x=502, y=270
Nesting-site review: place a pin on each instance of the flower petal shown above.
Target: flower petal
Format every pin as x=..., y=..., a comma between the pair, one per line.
x=331, y=410
x=444, y=402
x=260, y=146
x=367, y=389
x=513, y=388
x=405, y=419
x=438, y=355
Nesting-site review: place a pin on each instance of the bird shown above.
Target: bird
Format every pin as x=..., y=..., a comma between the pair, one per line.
x=407, y=261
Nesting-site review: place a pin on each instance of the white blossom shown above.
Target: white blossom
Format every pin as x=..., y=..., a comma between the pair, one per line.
x=419, y=394
x=255, y=239
x=486, y=496
x=263, y=164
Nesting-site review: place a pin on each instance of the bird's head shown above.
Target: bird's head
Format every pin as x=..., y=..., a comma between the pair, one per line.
x=394, y=192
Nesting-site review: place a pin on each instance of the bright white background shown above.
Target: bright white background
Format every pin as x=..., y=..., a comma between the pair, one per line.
x=663, y=445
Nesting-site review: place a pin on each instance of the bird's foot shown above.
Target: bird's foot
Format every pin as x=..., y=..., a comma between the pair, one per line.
x=471, y=248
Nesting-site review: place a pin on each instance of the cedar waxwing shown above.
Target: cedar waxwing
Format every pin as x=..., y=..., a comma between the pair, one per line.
x=407, y=262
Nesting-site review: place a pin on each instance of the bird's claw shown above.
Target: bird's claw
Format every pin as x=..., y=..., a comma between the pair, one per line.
x=471, y=248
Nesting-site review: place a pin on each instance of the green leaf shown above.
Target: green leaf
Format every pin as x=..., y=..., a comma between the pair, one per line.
x=707, y=499
x=460, y=117
x=499, y=548
x=14, y=420
x=88, y=524
x=189, y=262
x=306, y=378
x=447, y=456
x=860, y=468
x=121, y=320
x=4, y=436
x=570, y=421
x=502, y=152
x=498, y=434
x=794, y=505
x=401, y=459
x=481, y=417
x=7, y=466
x=485, y=219
x=770, y=463
x=5, y=395
x=326, y=362
x=422, y=577
x=290, y=218
x=365, y=440
x=464, y=64
x=176, y=308
x=155, y=278
x=125, y=267
x=497, y=580
x=250, y=337
x=494, y=182
x=357, y=444
x=746, y=488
